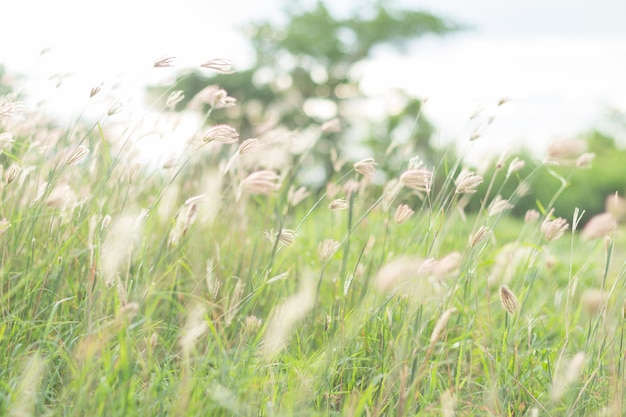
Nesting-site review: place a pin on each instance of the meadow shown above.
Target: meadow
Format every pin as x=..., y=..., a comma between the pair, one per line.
x=219, y=285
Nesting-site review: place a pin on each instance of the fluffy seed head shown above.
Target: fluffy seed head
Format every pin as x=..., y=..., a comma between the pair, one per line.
x=498, y=205
x=295, y=196
x=327, y=249
x=164, y=61
x=77, y=155
x=585, y=160
x=417, y=179
x=366, y=167
x=467, y=182
x=174, y=98
x=593, y=300
x=249, y=145
x=508, y=300
x=599, y=226
x=515, y=165
x=261, y=182
x=531, y=216
x=480, y=236
x=339, y=204
x=221, y=133
x=403, y=213
x=220, y=65
x=553, y=229
x=285, y=236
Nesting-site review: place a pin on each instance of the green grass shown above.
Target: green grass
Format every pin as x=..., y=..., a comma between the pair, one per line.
x=102, y=312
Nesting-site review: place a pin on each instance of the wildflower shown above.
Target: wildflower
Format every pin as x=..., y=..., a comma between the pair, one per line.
x=220, y=65
x=553, y=229
x=221, y=133
x=261, y=182
x=481, y=234
x=366, y=167
x=164, y=61
x=403, y=213
x=77, y=155
x=508, y=300
x=467, y=182
x=598, y=226
x=339, y=204
x=327, y=249
x=498, y=205
x=417, y=179
x=174, y=98
x=531, y=216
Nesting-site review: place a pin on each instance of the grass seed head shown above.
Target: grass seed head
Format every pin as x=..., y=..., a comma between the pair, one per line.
x=417, y=179
x=219, y=65
x=509, y=300
x=467, y=182
x=366, y=167
x=263, y=182
x=327, y=249
x=403, y=213
x=222, y=133
x=599, y=226
x=553, y=229
x=164, y=62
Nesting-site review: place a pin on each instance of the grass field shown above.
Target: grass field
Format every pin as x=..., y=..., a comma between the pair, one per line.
x=219, y=287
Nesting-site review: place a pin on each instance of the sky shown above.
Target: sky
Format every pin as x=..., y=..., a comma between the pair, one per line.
x=560, y=64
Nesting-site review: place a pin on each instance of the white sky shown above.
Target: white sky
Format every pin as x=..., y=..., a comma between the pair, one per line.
x=561, y=62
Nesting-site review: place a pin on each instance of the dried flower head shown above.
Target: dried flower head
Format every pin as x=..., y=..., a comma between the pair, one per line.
x=221, y=133
x=339, y=204
x=417, y=179
x=164, y=61
x=599, y=226
x=77, y=155
x=498, y=205
x=366, y=167
x=261, y=182
x=480, y=236
x=220, y=65
x=467, y=182
x=327, y=249
x=553, y=229
x=508, y=300
x=403, y=213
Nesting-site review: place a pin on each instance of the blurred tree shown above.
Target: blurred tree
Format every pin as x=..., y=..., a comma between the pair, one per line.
x=303, y=74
